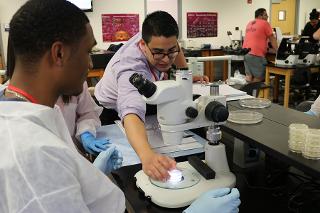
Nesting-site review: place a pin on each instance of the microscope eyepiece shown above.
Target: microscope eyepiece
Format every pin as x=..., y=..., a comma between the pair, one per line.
x=216, y=112
x=144, y=86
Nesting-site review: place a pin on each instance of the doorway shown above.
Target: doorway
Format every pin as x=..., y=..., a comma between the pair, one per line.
x=283, y=15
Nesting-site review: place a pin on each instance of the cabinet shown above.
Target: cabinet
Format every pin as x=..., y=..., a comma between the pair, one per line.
x=210, y=66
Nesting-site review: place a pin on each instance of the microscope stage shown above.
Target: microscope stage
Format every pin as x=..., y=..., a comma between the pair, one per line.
x=184, y=192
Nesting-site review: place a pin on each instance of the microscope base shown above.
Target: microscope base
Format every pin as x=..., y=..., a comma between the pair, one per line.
x=176, y=198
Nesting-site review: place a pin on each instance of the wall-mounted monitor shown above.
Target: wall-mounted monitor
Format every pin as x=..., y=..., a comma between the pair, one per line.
x=85, y=5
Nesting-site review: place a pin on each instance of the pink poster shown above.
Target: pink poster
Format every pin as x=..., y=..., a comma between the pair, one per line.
x=202, y=25
x=119, y=27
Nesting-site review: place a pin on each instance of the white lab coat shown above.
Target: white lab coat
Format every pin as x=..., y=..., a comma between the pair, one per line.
x=81, y=113
x=40, y=169
x=316, y=107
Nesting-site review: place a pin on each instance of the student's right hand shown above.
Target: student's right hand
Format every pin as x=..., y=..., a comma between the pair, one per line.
x=156, y=166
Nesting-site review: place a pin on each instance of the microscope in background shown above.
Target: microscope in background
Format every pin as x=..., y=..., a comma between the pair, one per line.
x=307, y=51
x=235, y=48
x=177, y=112
x=235, y=38
x=286, y=54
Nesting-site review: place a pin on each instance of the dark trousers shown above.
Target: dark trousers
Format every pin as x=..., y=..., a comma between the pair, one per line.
x=108, y=116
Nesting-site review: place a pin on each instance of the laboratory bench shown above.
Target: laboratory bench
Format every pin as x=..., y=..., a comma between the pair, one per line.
x=269, y=185
x=272, y=135
x=287, y=72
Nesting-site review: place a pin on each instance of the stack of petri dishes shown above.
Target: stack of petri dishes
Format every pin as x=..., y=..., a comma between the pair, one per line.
x=297, y=137
x=312, y=145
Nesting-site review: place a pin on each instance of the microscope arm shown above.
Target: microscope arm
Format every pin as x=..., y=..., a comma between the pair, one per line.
x=163, y=89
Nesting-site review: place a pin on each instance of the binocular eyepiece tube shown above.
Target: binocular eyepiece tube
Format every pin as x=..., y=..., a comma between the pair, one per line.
x=144, y=86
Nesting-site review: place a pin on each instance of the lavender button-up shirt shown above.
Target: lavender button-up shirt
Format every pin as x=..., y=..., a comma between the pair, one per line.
x=114, y=91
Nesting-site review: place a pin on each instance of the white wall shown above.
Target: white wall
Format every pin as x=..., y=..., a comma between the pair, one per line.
x=171, y=6
x=231, y=14
x=306, y=7
x=7, y=9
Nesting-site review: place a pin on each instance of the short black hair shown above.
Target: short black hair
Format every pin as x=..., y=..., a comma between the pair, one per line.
x=314, y=14
x=40, y=23
x=11, y=60
x=259, y=12
x=159, y=23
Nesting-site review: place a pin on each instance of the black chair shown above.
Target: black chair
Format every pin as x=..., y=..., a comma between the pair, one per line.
x=304, y=106
x=300, y=88
x=315, y=83
x=254, y=88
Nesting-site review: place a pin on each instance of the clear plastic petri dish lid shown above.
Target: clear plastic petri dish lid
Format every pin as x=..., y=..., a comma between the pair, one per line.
x=255, y=103
x=245, y=117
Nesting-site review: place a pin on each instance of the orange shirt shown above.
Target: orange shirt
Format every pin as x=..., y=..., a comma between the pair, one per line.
x=257, y=33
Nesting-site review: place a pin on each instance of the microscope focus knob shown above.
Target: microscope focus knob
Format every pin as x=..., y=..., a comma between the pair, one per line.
x=191, y=112
x=216, y=112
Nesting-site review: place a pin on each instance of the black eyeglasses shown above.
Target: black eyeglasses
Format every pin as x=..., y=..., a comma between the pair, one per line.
x=160, y=55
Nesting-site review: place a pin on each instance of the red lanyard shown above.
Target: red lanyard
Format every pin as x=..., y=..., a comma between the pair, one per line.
x=155, y=76
x=23, y=93
x=163, y=76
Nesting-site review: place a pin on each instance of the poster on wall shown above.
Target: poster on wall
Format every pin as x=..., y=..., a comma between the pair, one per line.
x=202, y=24
x=119, y=27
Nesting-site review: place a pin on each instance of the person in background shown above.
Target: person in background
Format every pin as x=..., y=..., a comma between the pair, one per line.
x=312, y=26
x=150, y=53
x=316, y=35
x=38, y=158
x=258, y=33
x=81, y=114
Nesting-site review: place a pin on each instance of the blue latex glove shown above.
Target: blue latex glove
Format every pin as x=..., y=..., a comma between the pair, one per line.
x=93, y=145
x=310, y=113
x=109, y=160
x=218, y=200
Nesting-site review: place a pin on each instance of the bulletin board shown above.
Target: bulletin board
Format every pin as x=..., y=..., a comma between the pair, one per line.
x=119, y=27
x=202, y=24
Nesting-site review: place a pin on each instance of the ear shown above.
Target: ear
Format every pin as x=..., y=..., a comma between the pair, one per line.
x=58, y=53
x=142, y=45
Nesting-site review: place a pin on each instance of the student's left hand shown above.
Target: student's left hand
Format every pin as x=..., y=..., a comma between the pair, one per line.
x=201, y=78
x=109, y=160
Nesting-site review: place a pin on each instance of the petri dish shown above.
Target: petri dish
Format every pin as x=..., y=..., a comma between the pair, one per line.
x=255, y=103
x=297, y=137
x=245, y=117
x=189, y=179
x=312, y=145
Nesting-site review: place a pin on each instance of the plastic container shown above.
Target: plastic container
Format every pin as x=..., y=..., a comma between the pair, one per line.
x=297, y=137
x=312, y=145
